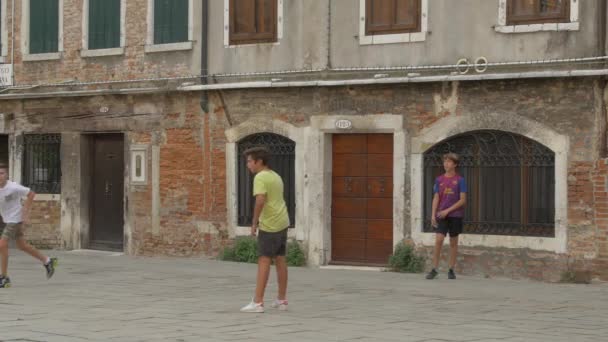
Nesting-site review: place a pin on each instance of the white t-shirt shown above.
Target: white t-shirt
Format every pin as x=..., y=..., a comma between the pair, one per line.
x=10, y=201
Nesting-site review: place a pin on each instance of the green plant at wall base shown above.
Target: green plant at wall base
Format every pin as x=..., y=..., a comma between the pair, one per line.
x=245, y=249
x=405, y=260
x=295, y=256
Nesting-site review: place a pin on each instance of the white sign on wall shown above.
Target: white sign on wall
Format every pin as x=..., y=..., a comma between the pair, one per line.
x=344, y=124
x=6, y=75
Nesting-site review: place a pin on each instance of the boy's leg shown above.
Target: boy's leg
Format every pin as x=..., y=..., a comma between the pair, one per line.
x=439, y=237
x=262, y=279
x=29, y=249
x=281, y=266
x=453, y=250
x=4, y=255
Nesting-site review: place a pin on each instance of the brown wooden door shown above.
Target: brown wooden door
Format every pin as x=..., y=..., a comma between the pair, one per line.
x=107, y=192
x=362, y=198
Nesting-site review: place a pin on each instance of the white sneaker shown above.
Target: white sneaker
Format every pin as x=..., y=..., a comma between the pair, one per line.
x=253, y=307
x=280, y=304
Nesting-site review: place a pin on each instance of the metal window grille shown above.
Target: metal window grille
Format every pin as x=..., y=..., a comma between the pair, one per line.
x=282, y=161
x=42, y=163
x=510, y=179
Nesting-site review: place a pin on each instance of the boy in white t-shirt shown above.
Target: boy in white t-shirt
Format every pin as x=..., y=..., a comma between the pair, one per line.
x=15, y=215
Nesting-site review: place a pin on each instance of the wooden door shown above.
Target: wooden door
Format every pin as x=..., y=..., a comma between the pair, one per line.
x=362, y=198
x=107, y=192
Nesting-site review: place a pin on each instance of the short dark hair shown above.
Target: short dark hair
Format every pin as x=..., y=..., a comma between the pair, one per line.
x=258, y=153
x=453, y=157
x=4, y=167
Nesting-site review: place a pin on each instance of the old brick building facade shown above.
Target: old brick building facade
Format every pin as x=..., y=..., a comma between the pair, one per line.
x=148, y=129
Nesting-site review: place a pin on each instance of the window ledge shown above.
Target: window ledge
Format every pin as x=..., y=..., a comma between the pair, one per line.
x=181, y=46
x=47, y=197
x=236, y=46
x=573, y=26
x=392, y=38
x=52, y=56
x=103, y=52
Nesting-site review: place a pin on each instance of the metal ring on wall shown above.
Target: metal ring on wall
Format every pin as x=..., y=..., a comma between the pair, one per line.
x=481, y=64
x=463, y=62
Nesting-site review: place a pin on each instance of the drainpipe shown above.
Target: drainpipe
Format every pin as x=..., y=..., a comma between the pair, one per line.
x=13, y=41
x=204, y=102
x=601, y=22
x=328, y=66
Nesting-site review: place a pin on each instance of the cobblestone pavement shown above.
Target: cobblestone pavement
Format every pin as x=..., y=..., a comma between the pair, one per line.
x=110, y=297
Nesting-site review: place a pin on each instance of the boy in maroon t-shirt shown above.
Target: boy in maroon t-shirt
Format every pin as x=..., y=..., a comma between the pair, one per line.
x=449, y=199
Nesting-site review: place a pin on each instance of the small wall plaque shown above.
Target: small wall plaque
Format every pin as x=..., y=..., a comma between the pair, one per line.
x=344, y=124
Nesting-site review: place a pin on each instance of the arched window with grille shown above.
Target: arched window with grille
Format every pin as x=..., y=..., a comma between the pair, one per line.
x=282, y=161
x=510, y=178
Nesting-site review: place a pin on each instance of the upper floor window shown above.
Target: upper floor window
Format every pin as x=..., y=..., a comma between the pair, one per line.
x=44, y=26
x=537, y=11
x=393, y=21
x=104, y=24
x=171, y=21
x=253, y=21
x=522, y=16
x=392, y=16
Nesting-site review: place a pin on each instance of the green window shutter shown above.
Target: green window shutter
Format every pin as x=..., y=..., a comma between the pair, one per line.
x=44, y=26
x=170, y=21
x=1, y=20
x=104, y=24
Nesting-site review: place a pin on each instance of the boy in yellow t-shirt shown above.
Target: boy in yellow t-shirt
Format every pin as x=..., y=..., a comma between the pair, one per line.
x=270, y=215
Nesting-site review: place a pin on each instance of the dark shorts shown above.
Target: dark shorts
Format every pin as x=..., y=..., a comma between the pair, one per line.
x=272, y=244
x=450, y=225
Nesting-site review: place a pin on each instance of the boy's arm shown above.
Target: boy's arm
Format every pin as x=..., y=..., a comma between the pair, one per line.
x=27, y=205
x=434, y=211
x=260, y=200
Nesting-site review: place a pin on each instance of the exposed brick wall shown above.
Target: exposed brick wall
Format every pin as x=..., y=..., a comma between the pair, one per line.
x=192, y=184
x=135, y=63
x=193, y=167
x=600, y=196
x=44, y=228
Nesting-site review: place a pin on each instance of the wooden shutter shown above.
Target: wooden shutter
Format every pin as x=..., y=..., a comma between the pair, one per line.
x=392, y=16
x=537, y=11
x=44, y=26
x=170, y=21
x=104, y=24
x=253, y=21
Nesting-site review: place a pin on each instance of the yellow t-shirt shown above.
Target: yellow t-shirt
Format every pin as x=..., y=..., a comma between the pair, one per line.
x=274, y=217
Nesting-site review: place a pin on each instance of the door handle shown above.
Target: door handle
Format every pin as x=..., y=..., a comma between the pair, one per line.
x=382, y=185
x=108, y=189
x=349, y=183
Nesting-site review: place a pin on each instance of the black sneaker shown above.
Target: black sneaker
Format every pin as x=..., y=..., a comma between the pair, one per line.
x=5, y=282
x=431, y=274
x=50, y=268
x=451, y=274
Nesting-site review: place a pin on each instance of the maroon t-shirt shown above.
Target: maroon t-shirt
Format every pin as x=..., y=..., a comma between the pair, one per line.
x=449, y=189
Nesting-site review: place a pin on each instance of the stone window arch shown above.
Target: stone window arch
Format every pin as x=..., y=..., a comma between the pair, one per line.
x=511, y=183
x=283, y=156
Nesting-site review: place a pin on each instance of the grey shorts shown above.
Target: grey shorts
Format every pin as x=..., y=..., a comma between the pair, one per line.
x=272, y=244
x=12, y=231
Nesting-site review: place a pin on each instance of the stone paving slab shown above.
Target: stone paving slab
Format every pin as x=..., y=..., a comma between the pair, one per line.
x=110, y=297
